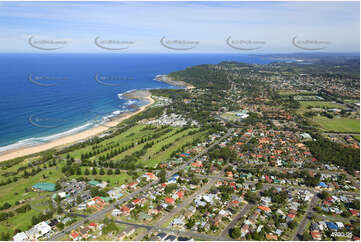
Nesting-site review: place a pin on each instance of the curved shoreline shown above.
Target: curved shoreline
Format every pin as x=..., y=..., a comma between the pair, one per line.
x=83, y=135
x=169, y=80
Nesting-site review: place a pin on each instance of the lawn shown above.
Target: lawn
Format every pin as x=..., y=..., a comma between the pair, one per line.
x=292, y=92
x=165, y=155
x=114, y=180
x=320, y=104
x=230, y=116
x=337, y=124
x=132, y=134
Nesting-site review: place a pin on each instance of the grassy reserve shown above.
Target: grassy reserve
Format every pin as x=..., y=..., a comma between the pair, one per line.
x=337, y=124
x=166, y=140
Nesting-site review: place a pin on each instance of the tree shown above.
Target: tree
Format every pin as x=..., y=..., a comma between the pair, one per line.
x=34, y=220
x=292, y=224
x=306, y=236
x=162, y=175
x=5, y=236
x=117, y=171
x=6, y=205
x=87, y=173
x=60, y=226
x=324, y=195
x=259, y=186
x=110, y=172
x=102, y=172
x=59, y=210
x=78, y=171
x=57, y=185
x=191, y=222
x=94, y=171
x=235, y=233
x=78, y=199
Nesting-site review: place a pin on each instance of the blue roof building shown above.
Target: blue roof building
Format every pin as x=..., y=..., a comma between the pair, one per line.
x=44, y=186
x=93, y=182
x=332, y=226
x=322, y=184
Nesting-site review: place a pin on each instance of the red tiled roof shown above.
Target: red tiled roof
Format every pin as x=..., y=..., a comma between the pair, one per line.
x=169, y=200
x=137, y=200
x=92, y=224
x=291, y=215
x=180, y=194
x=264, y=208
x=74, y=235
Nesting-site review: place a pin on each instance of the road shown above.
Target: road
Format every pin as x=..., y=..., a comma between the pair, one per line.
x=244, y=211
x=108, y=209
x=306, y=218
x=327, y=217
x=313, y=190
x=191, y=234
x=184, y=204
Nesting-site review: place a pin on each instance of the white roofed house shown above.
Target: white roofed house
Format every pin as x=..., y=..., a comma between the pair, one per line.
x=20, y=237
x=115, y=193
x=43, y=228
x=33, y=234
x=116, y=212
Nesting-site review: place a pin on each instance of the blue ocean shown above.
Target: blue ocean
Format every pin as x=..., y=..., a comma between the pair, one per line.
x=46, y=96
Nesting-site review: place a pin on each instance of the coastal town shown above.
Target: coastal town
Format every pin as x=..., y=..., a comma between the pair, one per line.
x=245, y=152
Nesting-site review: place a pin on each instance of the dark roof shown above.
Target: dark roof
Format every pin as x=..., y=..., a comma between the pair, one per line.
x=171, y=238
x=53, y=222
x=332, y=225
x=183, y=239
x=161, y=235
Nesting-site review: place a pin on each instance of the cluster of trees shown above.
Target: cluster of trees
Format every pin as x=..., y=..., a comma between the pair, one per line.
x=5, y=216
x=225, y=153
x=203, y=76
x=41, y=217
x=109, y=226
x=23, y=209
x=327, y=152
x=276, y=197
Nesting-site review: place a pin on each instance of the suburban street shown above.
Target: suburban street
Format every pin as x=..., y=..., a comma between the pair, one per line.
x=101, y=213
x=244, y=211
x=305, y=220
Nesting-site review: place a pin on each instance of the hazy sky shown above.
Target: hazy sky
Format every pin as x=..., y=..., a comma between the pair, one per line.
x=139, y=26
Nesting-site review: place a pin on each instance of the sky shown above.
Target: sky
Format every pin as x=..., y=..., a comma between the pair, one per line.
x=179, y=27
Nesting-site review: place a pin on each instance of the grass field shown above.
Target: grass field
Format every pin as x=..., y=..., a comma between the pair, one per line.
x=15, y=191
x=351, y=101
x=230, y=116
x=320, y=104
x=316, y=104
x=337, y=124
x=294, y=92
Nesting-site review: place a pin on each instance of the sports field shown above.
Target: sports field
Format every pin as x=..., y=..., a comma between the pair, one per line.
x=338, y=124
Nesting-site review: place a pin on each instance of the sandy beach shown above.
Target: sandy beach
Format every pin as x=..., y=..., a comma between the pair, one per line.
x=71, y=139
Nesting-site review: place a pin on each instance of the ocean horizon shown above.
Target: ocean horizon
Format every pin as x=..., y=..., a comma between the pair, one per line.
x=48, y=96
